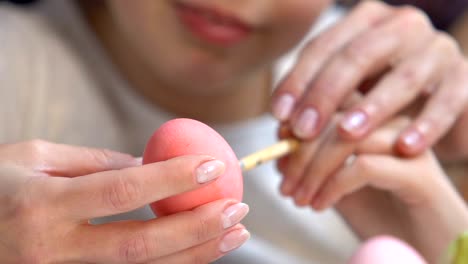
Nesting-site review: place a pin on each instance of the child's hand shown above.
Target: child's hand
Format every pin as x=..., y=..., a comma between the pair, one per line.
x=378, y=192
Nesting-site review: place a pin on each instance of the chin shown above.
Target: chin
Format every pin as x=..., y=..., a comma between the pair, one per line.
x=204, y=87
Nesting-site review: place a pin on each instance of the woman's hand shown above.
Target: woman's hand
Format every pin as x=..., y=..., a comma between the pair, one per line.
x=380, y=193
x=394, y=56
x=45, y=219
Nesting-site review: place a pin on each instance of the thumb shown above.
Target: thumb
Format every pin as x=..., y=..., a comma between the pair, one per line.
x=65, y=160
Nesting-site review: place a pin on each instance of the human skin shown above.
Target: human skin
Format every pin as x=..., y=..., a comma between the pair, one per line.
x=406, y=63
x=214, y=83
x=409, y=63
x=49, y=192
x=395, y=57
x=189, y=76
x=379, y=192
x=375, y=42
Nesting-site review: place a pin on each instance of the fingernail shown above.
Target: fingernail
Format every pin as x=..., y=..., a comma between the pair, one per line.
x=139, y=160
x=287, y=188
x=317, y=203
x=282, y=107
x=354, y=121
x=209, y=171
x=234, y=214
x=301, y=197
x=234, y=240
x=412, y=138
x=306, y=123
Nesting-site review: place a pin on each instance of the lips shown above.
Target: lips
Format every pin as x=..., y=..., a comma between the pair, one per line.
x=212, y=25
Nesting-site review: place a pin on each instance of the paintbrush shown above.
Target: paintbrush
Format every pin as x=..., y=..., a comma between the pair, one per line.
x=275, y=151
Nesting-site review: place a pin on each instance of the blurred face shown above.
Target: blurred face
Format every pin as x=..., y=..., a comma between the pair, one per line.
x=205, y=46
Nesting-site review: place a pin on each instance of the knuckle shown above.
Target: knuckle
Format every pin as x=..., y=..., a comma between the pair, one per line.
x=101, y=156
x=364, y=164
x=38, y=145
x=372, y=6
x=135, y=250
x=409, y=76
x=325, y=95
x=431, y=124
x=36, y=149
x=122, y=194
x=447, y=42
x=372, y=11
x=412, y=16
x=202, y=229
x=321, y=43
x=355, y=53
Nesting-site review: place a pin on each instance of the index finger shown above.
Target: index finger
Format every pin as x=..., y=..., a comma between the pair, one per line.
x=113, y=192
x=318, y=51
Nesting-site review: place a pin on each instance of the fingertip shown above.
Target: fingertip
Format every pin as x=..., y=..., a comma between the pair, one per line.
x=411, y=143
x=286, y=188
x=283, y=106
x=320, y=202
x=316, y=204
x=285, y=131
x=306, y=124
x=209, y=170
x=138, y=161
x=233, y=240
x=354, y=125
x=302, y=197
x=347, y=135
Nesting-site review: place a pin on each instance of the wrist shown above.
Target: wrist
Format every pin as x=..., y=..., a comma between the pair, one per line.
x=438, y=221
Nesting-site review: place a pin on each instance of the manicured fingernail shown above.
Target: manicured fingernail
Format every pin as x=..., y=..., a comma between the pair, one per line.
x=283, y=107
x=234, y=240
x=234, y=214
x=209, y=171
x=139, y=161
x=306, y=123
x=412, y=138
x=354, y=121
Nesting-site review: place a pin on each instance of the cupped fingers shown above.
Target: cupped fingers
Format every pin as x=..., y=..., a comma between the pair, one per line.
x=439, y=113
x=113, y=192
x=136, y=241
